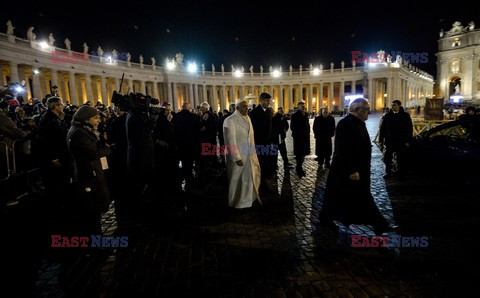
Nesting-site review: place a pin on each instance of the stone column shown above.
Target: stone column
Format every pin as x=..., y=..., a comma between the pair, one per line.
x=103, y=88
x=191, y=100
x=195, y=96
x=290, y=97
x=88, y=85
x=242, y=91
x=213, y=100
x=331, y=94
x=130, y=85
x=174, y=97
x=223, y=97
x=370, y=91
x=309, y=98
x=354, y=87
x=73, y=89
x=14, y=72
x=155, y=91
x=204, y=94
x=341, y=99
x=320, y=96
x=389, y=99
x=143, y=89
x=300, y=92
x=53, y=76
x=231, y=94
x=281, y=102
x=36, y=86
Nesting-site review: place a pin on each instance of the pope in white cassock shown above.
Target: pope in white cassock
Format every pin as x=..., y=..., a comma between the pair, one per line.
x=243, y=168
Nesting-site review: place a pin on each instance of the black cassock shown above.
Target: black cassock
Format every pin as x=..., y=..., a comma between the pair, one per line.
x=349, y=201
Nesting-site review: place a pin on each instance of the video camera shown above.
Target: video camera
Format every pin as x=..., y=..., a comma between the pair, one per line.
x=136, y=102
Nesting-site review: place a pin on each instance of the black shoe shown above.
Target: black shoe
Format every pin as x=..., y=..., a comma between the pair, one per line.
x=301, y=173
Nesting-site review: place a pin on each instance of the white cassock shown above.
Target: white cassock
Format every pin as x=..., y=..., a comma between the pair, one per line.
x=243, y=181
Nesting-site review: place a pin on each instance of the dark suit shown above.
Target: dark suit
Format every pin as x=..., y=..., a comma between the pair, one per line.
x=396, y=130
x=300, y=127
x=279, y=133
x=262, y=128
x=324, y=130
x=187, y=136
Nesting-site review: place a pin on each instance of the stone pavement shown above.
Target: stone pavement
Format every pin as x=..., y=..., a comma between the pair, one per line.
x=275, y=250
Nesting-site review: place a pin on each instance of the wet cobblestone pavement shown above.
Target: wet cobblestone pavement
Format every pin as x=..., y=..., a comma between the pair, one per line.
x=276, y=250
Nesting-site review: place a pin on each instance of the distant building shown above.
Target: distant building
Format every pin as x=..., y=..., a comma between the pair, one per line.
x=458, y=75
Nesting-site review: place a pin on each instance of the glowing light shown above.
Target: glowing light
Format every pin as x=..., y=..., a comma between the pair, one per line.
x=276, y=73
x=44, y=45
x=352, y=97
x=238, y=73
x=35, y=71
x=192, y=67
x=170, y=65
x=19, y=89
x=314, y=99
x=385, y=95
x=456, y=98
x=316, y=71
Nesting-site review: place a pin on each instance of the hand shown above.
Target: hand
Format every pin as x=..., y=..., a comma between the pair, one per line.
x=169, y=117
x=240, y=163
x=61, y=116
x=407, y=145
x=205, y=117
x=355, y=176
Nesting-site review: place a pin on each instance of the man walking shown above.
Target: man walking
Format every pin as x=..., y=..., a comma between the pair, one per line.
x=243, y=168
x=395, y=133
x=300, y=126
x=261, y=118
x=347, y=194
x=324, y=130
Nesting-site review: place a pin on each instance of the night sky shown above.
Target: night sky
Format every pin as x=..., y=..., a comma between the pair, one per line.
x=242, y=32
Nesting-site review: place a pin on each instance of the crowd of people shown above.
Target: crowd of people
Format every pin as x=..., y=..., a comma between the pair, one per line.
x=101, y=153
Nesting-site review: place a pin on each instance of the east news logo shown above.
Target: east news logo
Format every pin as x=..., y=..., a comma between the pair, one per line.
x=394, y=241
x=92, y=241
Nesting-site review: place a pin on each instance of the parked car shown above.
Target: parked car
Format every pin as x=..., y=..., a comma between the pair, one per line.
x=453, y=147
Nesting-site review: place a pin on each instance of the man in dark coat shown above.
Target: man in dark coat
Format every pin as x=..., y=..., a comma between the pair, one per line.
x=347, y=194
x=140, y=154
x=187, y=136
x=165, y=149
x=396, y=133
x=117, y=139
x=300, y=127
x=261, y=117
x=324, y=130
x=279, y=133
x=51, y=148
x=89, y=157
x=208, y=133
x=226, y=113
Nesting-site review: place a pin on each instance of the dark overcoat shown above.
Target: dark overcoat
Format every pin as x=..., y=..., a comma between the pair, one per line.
x=300, y=127
x=86, y=151
x=346, y=200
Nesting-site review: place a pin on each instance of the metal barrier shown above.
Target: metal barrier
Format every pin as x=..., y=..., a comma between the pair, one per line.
x=17, y=159
x=5, y=164
x=23, y=159
x=420, y=125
